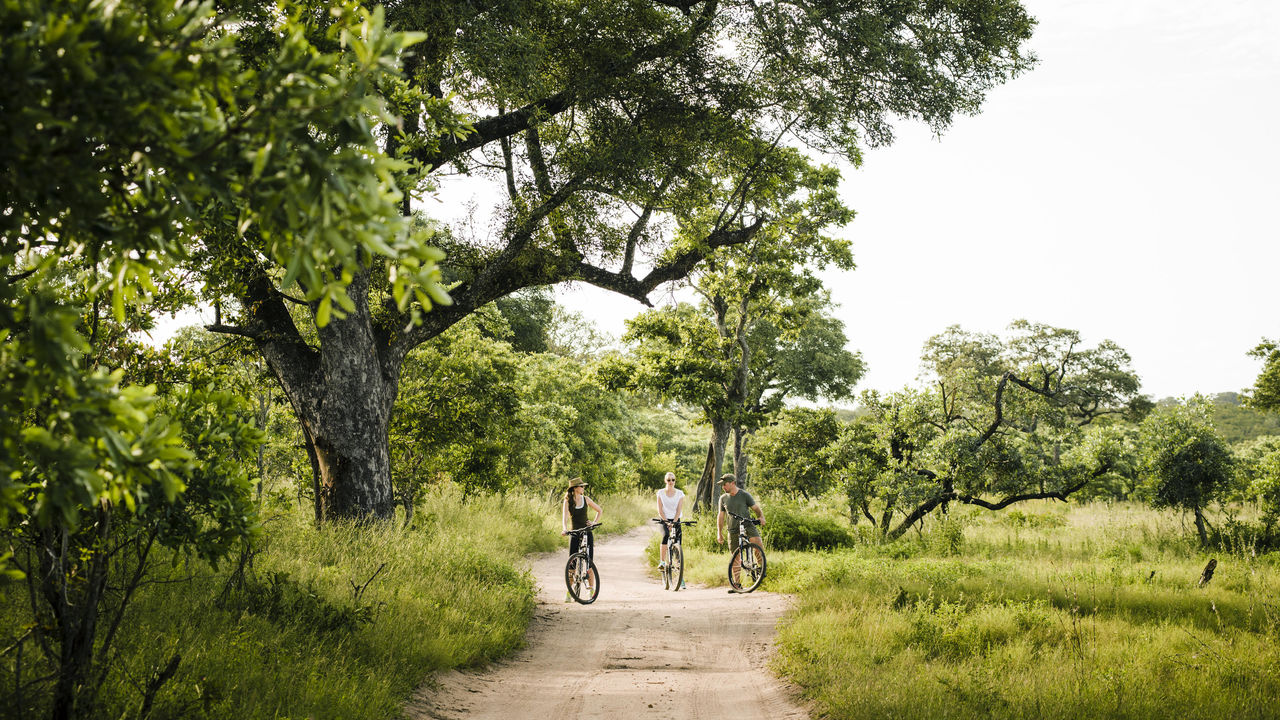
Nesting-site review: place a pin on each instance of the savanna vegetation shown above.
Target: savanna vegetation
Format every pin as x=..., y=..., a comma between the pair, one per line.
x=309, y=504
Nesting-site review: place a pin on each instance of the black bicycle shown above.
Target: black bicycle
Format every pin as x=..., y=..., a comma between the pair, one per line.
x=673, y=573
x=748, y=558
x=580, y=574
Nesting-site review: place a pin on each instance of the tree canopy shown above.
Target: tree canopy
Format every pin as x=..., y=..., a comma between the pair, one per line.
x=1000, y=421
x=624, y=143
x=1185, y=462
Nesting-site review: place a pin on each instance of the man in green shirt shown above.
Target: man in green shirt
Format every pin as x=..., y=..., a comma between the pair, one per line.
x=737, y=501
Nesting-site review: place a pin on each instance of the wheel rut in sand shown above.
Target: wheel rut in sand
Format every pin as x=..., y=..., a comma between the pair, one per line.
x=638, y=651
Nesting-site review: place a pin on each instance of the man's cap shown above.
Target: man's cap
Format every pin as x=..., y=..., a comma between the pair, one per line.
x=728, y=478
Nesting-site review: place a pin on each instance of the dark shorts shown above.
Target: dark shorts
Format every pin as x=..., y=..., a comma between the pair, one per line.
x=575, y=542
x=666, y=533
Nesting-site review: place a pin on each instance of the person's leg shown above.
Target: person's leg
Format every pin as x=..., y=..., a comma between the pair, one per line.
x=591, y=553
x=663, y=552
x=574, y=542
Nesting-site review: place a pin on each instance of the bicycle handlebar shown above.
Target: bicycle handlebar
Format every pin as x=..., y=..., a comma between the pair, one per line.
x=753, y=521
x=584, y=529
x=677, y=522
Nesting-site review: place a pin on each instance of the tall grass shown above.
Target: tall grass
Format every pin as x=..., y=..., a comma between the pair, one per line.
x=1055, y=611
x=342, y=621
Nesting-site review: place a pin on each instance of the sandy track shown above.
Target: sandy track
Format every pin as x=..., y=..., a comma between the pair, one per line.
x=638, y=651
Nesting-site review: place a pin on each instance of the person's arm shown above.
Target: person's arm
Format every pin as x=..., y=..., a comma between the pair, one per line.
x=680, y=508
x=595, y=507
x=658, y=497
x=564, y=517
x=759, y=512
x=720, y=525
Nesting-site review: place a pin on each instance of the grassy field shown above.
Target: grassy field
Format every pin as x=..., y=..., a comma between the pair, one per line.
x=295, y=641
x=1051, y=611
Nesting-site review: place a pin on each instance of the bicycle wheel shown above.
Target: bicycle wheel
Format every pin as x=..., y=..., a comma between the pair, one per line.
x=753, y=568
x=582, y=579
x=675, y=568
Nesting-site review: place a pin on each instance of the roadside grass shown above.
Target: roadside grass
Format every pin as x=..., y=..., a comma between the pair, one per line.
x=343, y=621
x=1057, y=611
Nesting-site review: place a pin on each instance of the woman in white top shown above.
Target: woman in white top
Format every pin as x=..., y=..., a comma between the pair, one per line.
x=670, y=509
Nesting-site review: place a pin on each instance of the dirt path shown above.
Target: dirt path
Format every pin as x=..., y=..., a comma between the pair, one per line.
x=638, y=651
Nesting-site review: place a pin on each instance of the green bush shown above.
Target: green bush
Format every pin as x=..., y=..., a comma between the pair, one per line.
x=791, y=528
x=1019, y=519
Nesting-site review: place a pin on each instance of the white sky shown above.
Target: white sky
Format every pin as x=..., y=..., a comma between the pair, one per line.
x=1125, y=187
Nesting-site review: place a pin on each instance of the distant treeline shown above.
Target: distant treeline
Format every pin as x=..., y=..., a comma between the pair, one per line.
x=1236, y=422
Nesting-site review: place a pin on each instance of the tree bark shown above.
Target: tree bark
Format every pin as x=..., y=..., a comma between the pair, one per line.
x=350, y=419
x=740, y=455
x=72, y=587
x=706, y=483
x=342, y=394
x=719, y=439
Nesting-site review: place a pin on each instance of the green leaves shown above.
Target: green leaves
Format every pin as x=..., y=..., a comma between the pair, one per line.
x=1185, y=462
x=1266, y=389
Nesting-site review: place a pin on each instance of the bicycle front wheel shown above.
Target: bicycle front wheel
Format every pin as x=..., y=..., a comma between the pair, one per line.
x=752, y=564
x=582, y=579
x=675, y=567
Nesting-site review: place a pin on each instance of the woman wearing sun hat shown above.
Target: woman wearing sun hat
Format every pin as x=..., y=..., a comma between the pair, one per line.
x=574, y=510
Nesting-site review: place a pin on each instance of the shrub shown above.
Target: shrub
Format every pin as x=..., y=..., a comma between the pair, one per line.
x=794, y=529
x=1019, y=519
x=947, y=536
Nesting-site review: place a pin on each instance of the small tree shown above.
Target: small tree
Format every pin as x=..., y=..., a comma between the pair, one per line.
x=1186, y=464
x=789, y=455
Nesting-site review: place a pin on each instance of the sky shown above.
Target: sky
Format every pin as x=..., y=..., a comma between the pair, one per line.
x=1126, y=187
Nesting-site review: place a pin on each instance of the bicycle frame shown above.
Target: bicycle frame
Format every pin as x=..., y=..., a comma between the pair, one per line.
x=674, y=551
x=580, y=571
x=746, y=559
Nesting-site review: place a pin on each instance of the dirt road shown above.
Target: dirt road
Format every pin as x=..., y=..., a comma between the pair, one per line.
x=638, y=651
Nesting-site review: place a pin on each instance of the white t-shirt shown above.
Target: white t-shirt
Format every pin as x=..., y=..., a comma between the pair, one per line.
x=669, y=504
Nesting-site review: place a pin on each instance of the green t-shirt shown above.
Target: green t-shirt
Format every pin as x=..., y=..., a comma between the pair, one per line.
x=740, y=504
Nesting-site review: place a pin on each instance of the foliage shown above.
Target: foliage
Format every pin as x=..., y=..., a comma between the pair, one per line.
x=1019, y=419
x=624, y=146
x=1185, y=463
x=570, y=426
x=1266, y=389
x=795, y=528
x=1238, y=422
x=761, y=335
x=1259, y=463
x=456, y=416
x=83, y=571
x=790, y=455
x=135, y=136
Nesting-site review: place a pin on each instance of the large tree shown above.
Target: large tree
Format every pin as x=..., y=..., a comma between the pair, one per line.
x=625, y=144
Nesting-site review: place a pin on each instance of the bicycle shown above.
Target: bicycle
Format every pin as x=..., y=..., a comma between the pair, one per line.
x=580, y=572
x=673, y=573
x=749, y=557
